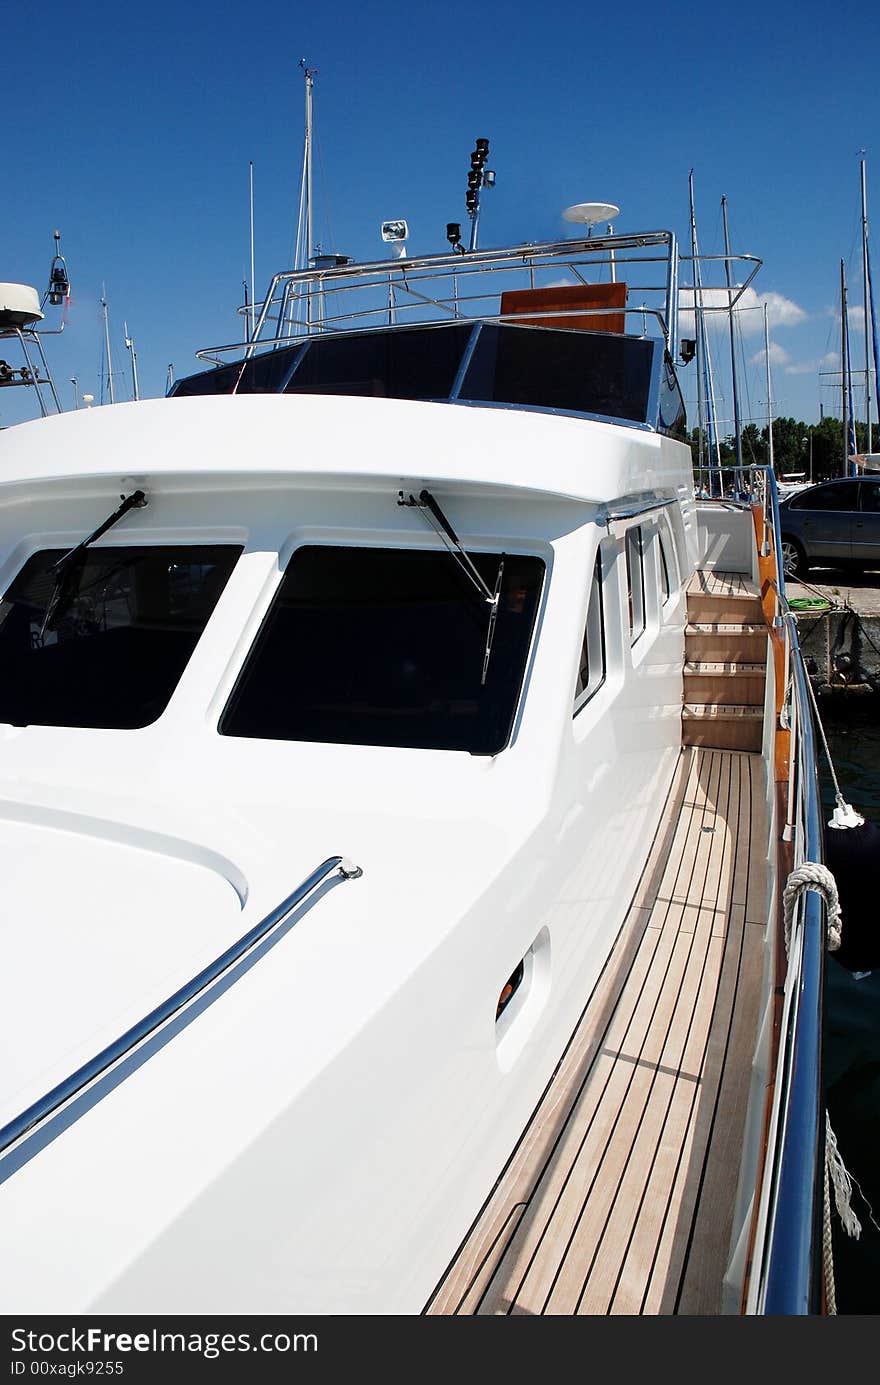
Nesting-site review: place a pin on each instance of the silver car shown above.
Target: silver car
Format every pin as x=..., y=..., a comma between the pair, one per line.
x=834, y=524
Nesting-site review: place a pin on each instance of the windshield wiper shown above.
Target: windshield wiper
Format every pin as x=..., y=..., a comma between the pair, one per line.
x=64, y=569
x=442, y=526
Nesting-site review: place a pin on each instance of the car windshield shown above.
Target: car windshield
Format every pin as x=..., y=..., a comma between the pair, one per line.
x=116, y=647
x=377, y=646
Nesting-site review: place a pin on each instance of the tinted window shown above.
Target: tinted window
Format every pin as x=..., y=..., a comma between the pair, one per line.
x=400, y=364
x=376, y=646
x=635, y=583
x=260, y=375
x=582, y=372
x=840, y=495
x=122, y=632
x=665, y=588
x=591, y=673
x=870, y=493
x=671, y=414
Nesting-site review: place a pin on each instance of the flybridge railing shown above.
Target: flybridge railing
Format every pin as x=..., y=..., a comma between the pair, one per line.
x=433, y=289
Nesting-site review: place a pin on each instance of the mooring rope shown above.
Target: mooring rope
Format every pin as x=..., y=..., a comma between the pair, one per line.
x=810, y=875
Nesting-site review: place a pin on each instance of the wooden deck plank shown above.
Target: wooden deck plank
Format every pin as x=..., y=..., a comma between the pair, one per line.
x=646, y=1175
x=619, y=1196
x=720, y=1125
x=525, y=1276
x=672, y=1120
x=645, y=1209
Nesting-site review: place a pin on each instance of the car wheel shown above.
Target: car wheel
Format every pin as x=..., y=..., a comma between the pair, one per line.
x=794, y=560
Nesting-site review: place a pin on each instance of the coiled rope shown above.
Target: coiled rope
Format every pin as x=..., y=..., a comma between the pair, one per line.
x=810, y=875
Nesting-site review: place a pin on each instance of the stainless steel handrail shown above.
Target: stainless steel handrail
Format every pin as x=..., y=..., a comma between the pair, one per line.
x=27, y=1122
x=288, y=287
x=786, y=1274
x=789, y=1281
x=328, y=326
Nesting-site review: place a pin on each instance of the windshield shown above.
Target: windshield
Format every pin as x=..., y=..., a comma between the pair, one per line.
x=114, y=653
x=377, y=646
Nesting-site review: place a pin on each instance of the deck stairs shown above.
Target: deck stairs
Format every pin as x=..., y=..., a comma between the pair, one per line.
x=725, y=662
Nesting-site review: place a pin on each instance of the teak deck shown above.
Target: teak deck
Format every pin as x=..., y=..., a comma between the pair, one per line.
x=619, y=1196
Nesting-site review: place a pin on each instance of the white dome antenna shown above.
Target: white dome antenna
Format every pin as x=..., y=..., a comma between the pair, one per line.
x=591, y=213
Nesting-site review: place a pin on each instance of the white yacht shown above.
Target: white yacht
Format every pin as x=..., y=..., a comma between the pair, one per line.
x=400, y=771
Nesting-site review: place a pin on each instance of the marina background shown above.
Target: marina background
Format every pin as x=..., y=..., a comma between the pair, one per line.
x=132, y=132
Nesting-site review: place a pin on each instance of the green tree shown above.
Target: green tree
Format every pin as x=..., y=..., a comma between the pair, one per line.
x=828, y=457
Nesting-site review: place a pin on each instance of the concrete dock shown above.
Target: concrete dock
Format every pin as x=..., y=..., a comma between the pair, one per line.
x=841, y=644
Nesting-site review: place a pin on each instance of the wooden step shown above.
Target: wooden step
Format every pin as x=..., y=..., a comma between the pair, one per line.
x=728, y=641
x=724, y=681
x=722, y=596
x=724, y=726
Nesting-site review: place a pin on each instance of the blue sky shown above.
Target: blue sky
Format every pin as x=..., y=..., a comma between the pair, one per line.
x=131, y=131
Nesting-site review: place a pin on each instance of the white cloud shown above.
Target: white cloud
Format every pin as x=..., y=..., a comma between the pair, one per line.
x=855, y=315
x=781, y=312
x=830, y=361
x=778, y=356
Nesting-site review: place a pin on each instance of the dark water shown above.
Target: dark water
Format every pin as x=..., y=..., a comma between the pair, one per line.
x=852, y=1019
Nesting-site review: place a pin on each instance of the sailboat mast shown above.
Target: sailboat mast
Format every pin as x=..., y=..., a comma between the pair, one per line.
x=737, y=421
x=711, y=411
x=868, y=312
x=697, y=333
x=310, y=82
x=769, y=393
x=844, y=368
x=253, y=285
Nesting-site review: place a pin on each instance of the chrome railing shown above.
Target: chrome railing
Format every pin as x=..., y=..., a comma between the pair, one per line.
x=431, y=289
x=16, y=1136
x=786, y=1263
x=788, y=1275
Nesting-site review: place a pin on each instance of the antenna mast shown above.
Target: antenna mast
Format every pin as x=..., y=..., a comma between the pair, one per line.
x=107, y=342
x=866, y=278
x=129, y=346
x=737, y=421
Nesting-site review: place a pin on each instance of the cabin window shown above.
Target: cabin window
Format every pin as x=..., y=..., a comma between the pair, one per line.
x=124, y=625
x=665, y=586
x=378, y=646
x=635, y=582
x=591, y=671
